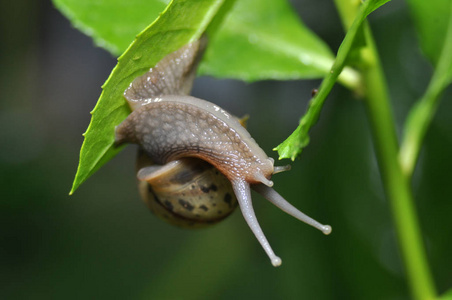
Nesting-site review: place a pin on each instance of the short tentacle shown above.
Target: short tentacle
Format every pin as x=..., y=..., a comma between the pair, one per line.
x=261, y=178
x=243, y=194
x=279, y=169
x=275, y=198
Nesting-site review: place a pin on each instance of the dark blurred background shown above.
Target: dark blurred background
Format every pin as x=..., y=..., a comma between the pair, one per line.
x=103, y=243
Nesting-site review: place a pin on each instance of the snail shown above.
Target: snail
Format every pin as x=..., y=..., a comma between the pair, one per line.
x=184, y=136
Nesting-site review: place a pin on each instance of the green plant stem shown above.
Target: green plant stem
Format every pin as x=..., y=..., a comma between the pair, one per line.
x=422, y=113
x=347, y=10
x=294, y=144
x=397, y=186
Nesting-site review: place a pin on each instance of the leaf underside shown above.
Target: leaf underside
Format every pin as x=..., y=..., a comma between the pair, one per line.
x=182, y=22
x=265, y=41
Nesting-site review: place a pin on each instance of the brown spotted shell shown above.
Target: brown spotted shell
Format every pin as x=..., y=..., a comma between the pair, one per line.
x=187, y=193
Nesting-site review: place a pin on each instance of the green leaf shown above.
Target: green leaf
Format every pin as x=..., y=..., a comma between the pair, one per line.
x=294, y=144
x=112, y=24
x=373, y=5
x=265, y=40
x=446, y=296
x=431, y=19
x=445, y=59
x=258, y=40
x=421, y=115
x=182, y=22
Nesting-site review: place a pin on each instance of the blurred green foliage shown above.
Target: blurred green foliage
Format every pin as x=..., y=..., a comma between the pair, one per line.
x=431, y=20
x=102, y=242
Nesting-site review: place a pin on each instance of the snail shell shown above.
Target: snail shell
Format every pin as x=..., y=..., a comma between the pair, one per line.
x=171, y=126
x=188, y=192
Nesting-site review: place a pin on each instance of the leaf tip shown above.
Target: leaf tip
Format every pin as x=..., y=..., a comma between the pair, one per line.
x=74, y=187
x=281, y=154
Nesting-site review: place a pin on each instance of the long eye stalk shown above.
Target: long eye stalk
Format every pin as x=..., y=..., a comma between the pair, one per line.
x=275, y=198
x=243, y=194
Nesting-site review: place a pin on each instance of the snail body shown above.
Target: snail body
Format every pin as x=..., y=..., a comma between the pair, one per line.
x=173, y=128
x=170, y=127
